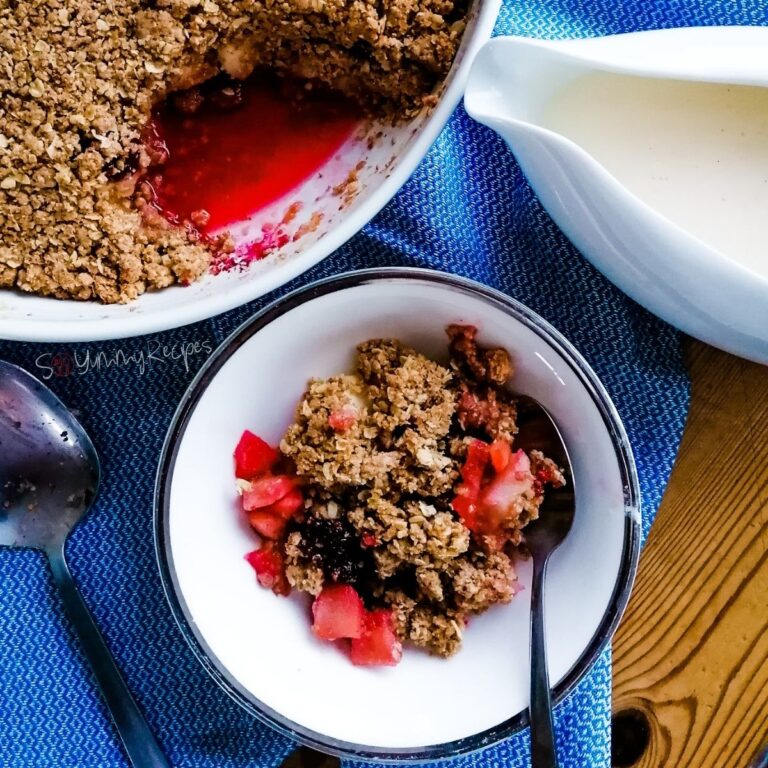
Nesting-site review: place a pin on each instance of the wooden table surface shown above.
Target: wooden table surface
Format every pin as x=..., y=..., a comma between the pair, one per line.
x=691, y=654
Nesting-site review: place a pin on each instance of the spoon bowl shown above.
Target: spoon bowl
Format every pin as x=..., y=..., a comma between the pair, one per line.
x=49, y=477
x=538, y=432
x=49, y=473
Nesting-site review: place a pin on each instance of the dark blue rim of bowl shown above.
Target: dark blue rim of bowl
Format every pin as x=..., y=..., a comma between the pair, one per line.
x=183, y=617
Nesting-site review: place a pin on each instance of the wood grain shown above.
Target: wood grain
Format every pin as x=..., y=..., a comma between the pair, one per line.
x=692, y=650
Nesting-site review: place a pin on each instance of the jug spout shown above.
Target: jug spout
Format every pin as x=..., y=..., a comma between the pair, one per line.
x=513, y=78
x=485, y=97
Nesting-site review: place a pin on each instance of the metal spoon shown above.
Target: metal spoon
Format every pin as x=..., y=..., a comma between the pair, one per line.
x=537, y=431
x=49, y=476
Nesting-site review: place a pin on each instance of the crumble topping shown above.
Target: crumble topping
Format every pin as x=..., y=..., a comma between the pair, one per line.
x=412, y=502
x=80, y=80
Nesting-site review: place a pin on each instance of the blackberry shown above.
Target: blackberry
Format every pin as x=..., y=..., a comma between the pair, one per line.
x=334, y=546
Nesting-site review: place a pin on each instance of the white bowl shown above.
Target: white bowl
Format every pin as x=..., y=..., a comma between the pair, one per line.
x=659, y=264
x=386, y=166
x=259, y=647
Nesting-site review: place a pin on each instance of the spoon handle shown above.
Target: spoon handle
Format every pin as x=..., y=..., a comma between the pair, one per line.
x=143, y=751
x=543, y=751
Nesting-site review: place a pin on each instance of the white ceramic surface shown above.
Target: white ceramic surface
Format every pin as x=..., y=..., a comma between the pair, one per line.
x=262, y=646
x=664, y=268
x=385, y=168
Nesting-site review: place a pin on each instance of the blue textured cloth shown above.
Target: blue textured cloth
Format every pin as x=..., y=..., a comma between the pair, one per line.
x=467, y=210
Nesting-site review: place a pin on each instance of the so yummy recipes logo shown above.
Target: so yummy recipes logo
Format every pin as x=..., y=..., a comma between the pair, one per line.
x=64, y=363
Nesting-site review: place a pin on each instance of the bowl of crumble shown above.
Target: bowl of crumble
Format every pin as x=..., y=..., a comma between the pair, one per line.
x=341, y=506
x=142, y=188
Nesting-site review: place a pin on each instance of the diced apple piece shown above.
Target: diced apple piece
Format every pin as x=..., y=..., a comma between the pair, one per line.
x=378, y=645
x=267, y=561
x=338, y=612
x=267, y=524
x=253, y=456
x=343, y=418
x=266, y=490
x=507, y=487
x=288, y=505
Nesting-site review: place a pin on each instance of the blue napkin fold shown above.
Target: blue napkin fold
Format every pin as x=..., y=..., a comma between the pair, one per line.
x=467, y=210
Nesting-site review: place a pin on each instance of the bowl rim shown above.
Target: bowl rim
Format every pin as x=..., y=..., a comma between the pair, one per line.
x=161, y=512
x=132, y=323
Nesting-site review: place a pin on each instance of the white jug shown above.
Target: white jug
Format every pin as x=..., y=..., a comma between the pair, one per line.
x=659, y=264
